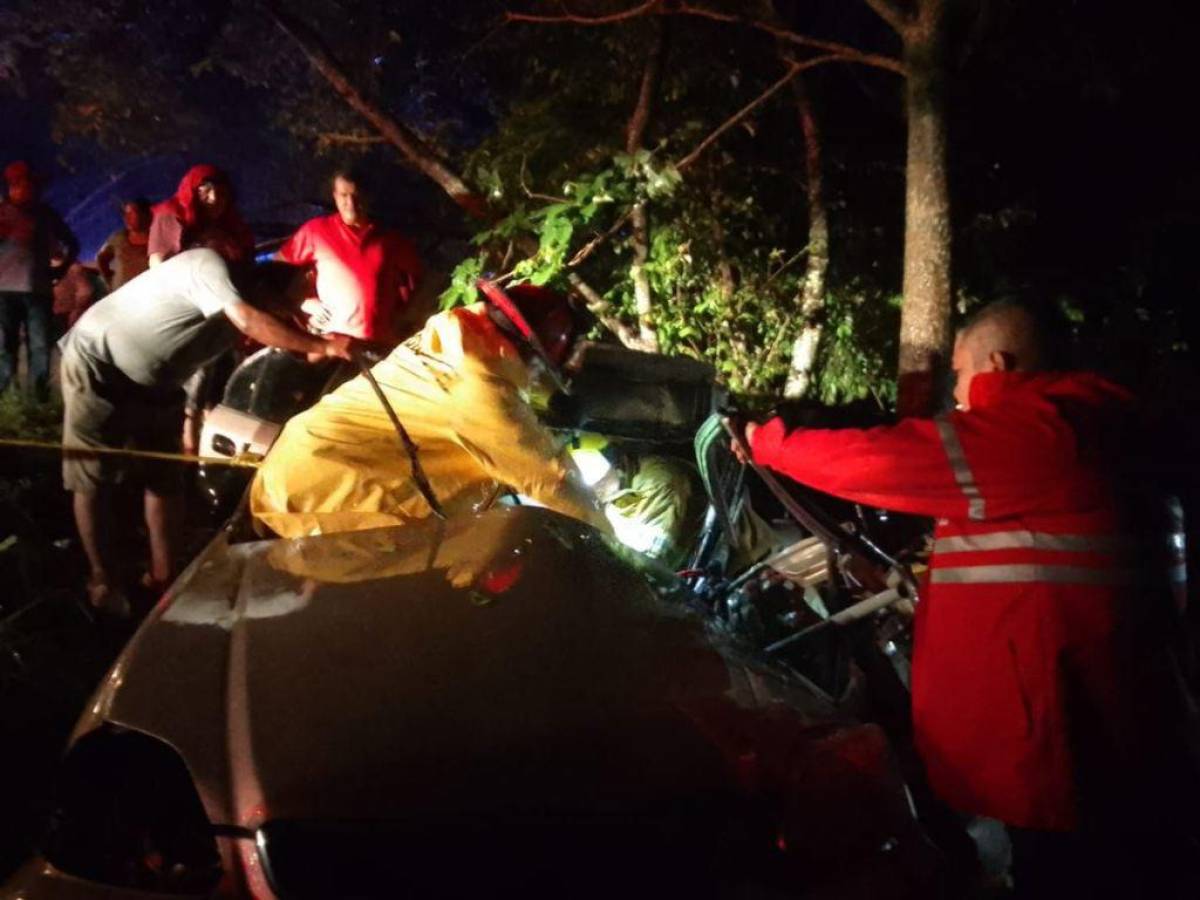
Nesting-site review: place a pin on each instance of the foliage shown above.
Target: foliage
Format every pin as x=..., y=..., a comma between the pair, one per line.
x=89, y=49
x=858, y=348
x=22, y=417
x=726, y=248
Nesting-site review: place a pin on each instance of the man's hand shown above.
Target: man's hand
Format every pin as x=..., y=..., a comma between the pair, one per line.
x=747, y=436
x=338, y=346
x=317, y=314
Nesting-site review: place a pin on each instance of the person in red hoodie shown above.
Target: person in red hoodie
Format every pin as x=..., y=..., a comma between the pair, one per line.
x=1030, y=667
x=202, y=213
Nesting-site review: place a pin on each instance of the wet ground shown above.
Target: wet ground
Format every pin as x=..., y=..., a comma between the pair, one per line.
x=53, y=648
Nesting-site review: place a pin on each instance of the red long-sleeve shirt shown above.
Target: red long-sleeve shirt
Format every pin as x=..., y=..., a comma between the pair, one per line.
x=1021, y=634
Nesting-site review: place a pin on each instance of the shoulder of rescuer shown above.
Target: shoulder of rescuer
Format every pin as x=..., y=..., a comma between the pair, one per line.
x=460, y=388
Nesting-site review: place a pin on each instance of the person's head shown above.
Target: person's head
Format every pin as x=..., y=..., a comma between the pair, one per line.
x=213, y=196
x=1002, y=337
x=136, y=214
x=350, y=196
x=19, y=181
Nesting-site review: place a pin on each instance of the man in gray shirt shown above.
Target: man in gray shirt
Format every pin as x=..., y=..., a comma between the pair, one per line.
x=123, y=365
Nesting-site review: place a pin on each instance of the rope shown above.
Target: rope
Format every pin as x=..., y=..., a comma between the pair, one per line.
x=241, y=462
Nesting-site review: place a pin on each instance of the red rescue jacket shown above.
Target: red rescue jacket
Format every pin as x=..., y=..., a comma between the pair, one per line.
x=1026, y=637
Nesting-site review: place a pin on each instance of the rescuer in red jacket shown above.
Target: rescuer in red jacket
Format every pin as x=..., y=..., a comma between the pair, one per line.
x=1030, y=637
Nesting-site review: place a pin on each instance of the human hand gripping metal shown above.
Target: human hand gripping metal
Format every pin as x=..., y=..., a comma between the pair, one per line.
x=858, y=559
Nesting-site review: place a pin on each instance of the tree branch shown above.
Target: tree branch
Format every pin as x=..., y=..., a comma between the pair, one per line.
x=603, y=310
x=595, y=243
x=659, y=7
x=845, y=51
x=330, y=138
x=534, y=195
x=892, y=14
x=651, y=7
x=793, y=70
x=635, y=131
x=418, y=154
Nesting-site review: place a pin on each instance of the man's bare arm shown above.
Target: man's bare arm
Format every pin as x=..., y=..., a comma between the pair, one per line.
x=266, y=329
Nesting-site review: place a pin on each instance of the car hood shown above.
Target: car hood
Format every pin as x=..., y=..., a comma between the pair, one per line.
x=505, y=662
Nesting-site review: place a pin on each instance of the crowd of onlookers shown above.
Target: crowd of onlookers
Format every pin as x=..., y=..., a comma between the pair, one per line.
x=148, y=336
x=361, y=276
x=45, y=288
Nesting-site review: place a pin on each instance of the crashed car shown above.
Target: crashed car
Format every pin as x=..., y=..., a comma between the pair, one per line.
x=505, y=701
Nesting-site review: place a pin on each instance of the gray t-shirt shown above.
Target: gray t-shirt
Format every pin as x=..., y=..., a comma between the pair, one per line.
x=163, y=325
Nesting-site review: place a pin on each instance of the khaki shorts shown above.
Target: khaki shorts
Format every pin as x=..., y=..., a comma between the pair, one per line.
x=105, y=410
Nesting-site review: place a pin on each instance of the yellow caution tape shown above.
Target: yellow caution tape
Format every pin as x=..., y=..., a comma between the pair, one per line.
x=242, y=462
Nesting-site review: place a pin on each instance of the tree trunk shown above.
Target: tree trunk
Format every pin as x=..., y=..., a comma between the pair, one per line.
x=812, y=291
x=925, y=314
x=638, y=219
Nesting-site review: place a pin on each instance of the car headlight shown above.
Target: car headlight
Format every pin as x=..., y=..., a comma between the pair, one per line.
x=127, y=814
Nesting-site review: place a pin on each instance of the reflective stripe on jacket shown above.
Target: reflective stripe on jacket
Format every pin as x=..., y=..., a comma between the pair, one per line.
x=1022, y=634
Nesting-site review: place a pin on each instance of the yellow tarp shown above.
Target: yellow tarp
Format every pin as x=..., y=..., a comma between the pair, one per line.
x=459, y=386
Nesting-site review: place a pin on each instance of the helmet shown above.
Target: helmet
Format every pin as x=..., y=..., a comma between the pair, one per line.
x=540, y=316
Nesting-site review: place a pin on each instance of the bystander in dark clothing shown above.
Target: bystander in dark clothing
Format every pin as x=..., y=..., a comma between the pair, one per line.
x=125, y=254
x=36, y=246
x=78, y=289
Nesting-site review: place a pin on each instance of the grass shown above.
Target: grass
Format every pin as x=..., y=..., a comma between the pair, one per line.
x=23, y=417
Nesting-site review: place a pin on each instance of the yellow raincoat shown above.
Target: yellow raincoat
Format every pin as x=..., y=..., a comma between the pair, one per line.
x=459, y=387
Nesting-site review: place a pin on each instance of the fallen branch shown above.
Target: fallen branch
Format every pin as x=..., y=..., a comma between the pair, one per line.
x=415, y=151
x=604, y=312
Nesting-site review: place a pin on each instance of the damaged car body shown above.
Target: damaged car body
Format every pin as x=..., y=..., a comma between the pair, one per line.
x=507, y=700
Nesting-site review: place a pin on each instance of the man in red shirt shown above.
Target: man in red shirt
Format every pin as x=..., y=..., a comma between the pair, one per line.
x=1032, y=674
x=366, y=273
